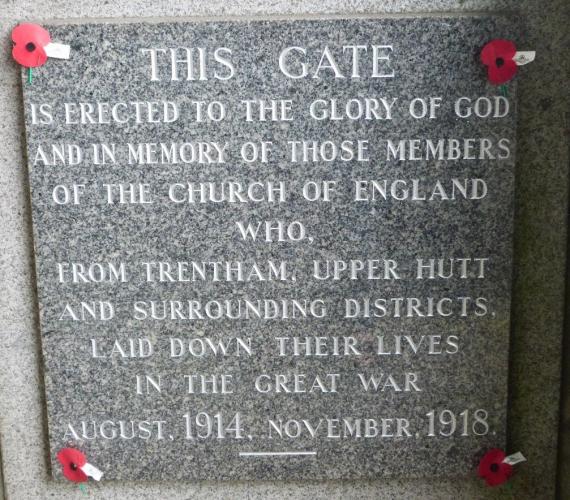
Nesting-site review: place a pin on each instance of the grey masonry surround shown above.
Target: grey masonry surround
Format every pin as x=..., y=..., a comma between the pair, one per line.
x=284, y=249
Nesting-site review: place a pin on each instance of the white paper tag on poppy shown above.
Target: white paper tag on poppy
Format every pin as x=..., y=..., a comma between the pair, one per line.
x=57, y=50
x=515, y=458
x=92, y=471
x=523, y=57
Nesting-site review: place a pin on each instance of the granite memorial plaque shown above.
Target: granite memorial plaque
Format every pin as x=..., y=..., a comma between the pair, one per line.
x=273, y=249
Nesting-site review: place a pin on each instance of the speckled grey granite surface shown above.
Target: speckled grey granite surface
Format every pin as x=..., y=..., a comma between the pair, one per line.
x=433, y=57
x=538, y=287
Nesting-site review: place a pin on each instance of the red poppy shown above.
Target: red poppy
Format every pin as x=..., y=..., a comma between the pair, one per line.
x=72, y=460
x=498, y=55
x=29, y=42
x=492, y=468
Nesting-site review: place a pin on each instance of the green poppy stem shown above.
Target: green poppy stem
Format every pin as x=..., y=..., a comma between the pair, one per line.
x=504, y=91
x=509, y=488
x=30, y=76
x=83, y=488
